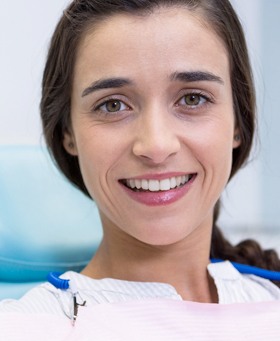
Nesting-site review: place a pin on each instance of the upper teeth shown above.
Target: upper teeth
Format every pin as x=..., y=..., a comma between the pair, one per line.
x=158, y=185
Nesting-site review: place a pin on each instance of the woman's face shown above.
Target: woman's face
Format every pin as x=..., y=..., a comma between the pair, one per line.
x=153, y=123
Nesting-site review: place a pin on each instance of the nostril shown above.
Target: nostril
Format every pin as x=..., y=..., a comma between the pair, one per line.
x=155, y=152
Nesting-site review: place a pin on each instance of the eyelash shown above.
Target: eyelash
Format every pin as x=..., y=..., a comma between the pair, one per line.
x=97, y=108
x=202, y=97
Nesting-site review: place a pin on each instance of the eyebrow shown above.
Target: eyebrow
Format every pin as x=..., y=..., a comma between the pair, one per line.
x=106, y=84
x=188, y=76
x=196, y=76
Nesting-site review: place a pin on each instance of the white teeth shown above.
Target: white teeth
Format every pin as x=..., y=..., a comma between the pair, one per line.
x=145, y=184
x=173, y=183
x=158, y=185
x=130, y=183
x=153, y=185
x=138, y=184
x=164, y=185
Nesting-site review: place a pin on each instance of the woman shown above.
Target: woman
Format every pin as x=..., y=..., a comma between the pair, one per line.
x=149, y=108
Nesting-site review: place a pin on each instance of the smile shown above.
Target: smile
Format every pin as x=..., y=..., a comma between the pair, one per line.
x=153, y=185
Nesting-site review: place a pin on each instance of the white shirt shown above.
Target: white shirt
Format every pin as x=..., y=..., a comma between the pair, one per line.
x=232, y=287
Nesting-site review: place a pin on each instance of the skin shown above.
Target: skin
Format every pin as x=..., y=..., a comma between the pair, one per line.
x=155, y=131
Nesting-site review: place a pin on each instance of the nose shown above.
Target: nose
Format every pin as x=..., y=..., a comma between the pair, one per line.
x=156, y=138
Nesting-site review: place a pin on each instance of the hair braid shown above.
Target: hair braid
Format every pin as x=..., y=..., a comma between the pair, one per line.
x=246, y=252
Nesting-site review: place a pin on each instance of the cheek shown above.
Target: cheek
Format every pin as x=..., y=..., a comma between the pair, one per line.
x=98, y=152
x=213, y=147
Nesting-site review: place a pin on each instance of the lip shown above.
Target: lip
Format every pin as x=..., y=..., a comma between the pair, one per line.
x=160, y=198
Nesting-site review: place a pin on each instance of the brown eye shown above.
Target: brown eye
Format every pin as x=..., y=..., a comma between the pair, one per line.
x=192, y=99
x=113, y=106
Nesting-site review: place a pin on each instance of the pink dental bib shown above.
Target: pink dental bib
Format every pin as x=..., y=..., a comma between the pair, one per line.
x=150, y=320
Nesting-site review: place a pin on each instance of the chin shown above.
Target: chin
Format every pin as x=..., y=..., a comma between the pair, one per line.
x=159, y=237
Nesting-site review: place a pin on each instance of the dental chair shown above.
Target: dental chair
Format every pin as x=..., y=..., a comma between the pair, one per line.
x=45, y=223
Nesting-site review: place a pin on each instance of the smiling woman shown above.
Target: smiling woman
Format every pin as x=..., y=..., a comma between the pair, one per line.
x=156, y=114
x=148, y=107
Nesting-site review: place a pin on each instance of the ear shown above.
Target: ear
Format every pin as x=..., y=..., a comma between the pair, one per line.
x=69, y=143
x=236, y=138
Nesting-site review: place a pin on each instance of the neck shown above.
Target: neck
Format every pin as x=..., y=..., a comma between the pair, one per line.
x=182, y=265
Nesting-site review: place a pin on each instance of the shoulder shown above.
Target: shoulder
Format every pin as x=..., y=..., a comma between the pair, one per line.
x=47, y=299
x=234, y=287
x=41, y=299
x=44, y=298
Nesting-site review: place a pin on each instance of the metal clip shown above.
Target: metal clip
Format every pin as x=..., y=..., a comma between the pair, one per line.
x=76, y=308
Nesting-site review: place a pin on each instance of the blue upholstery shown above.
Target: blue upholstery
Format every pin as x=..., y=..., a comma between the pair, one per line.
x=45, y=223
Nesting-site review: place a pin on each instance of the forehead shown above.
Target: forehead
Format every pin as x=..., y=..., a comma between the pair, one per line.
x=168, y=38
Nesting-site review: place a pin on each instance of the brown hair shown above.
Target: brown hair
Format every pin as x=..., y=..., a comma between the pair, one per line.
x=57, y=83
